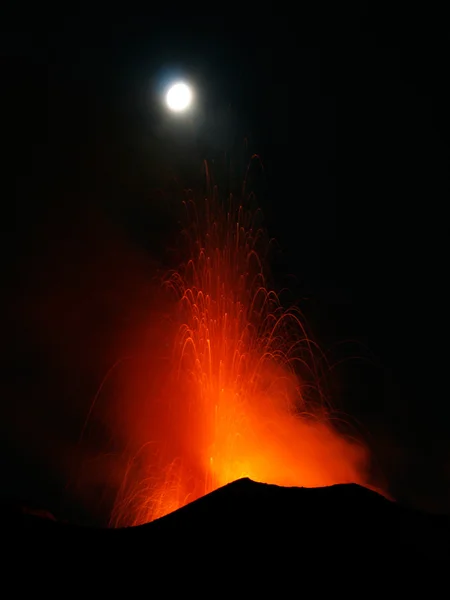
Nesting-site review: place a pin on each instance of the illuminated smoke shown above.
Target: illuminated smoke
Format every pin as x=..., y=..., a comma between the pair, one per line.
x=243, y=395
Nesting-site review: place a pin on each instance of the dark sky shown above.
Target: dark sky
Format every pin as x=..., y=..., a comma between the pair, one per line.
x=349, y=117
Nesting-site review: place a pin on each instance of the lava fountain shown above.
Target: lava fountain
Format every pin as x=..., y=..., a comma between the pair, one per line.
x=244, y=396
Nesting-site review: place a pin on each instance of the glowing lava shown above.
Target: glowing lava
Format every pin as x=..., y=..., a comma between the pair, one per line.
x=244, y=396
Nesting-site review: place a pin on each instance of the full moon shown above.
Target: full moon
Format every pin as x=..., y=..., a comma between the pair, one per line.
x=179, y=97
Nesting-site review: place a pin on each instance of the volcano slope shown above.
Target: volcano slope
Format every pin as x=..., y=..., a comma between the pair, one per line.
x=246, y=532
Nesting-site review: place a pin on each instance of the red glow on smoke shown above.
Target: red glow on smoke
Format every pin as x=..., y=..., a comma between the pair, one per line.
x=240, y=390
x=213, y=379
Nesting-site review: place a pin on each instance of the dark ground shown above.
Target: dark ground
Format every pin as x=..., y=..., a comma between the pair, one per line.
x=244, y=534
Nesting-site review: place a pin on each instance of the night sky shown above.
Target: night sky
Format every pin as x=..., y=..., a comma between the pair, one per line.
x=352, y=129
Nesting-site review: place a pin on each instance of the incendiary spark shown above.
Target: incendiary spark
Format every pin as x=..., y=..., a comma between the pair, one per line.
x=245, y=394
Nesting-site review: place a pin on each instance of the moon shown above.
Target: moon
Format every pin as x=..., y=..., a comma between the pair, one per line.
x=179, y=97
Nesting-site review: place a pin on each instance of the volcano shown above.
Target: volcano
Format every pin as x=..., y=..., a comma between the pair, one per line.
x=244, y=531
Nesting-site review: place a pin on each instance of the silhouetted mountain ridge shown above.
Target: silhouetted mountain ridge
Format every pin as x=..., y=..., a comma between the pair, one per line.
x=261, y=521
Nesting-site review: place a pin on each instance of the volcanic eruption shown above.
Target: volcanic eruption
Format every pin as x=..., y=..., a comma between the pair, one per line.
x=244, y=393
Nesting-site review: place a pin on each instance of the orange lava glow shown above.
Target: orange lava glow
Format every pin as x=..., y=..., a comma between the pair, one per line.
x=244, y=394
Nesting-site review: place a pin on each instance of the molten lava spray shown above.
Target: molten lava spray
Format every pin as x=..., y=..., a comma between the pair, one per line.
x=244, y=395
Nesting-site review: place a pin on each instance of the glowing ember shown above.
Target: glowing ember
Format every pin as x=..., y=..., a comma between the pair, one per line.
x=244, y=395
